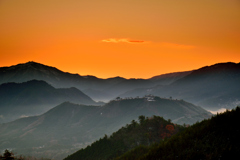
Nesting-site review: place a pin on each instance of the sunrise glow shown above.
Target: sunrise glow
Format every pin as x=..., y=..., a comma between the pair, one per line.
x=132, y=39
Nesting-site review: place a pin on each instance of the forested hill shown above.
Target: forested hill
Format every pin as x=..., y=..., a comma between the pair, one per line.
x=216, y=138
x=146, y=132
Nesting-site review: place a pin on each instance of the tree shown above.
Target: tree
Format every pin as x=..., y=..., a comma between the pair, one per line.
x=141, y=119
x=118, y=98
x=8, y=155
x=133, y=123
x=169, y=121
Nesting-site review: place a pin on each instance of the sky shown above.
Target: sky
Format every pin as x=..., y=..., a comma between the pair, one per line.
x=127, y=38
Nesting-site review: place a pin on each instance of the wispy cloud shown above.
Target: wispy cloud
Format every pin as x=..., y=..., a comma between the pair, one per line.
x=123, y=40
x=160, y=44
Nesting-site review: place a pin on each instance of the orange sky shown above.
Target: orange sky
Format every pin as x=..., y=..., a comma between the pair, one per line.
x=128, y=38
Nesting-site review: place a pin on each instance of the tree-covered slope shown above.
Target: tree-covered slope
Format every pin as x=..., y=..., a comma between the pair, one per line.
x=148, y=131
x=216, y=138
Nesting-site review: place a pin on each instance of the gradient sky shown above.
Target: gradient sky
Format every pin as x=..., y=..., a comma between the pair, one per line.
x=128, y=38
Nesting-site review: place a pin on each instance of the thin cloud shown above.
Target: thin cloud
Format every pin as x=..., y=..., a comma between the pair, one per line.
x=123, y=40
x=161, y=44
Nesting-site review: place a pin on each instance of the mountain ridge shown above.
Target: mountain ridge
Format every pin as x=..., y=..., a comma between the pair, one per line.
x=97, y=88
x=208, y=84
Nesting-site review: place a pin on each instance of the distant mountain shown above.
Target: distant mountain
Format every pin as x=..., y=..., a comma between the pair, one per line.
x=96, y=88
x=35, y=97
x=69, y=127
x=147, y=132
x=32, y=70
x=212, y=87
x=216, y=138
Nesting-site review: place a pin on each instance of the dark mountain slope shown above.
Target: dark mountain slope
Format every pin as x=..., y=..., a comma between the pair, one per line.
x=205, y=86
x=35, y=97
x=216, y=138
x=207, y=83
x=69, y=127
x=147, y=132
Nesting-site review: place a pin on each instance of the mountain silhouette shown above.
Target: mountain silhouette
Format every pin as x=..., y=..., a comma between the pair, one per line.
x=35, y=97
x=212, y=87
x=97, y=88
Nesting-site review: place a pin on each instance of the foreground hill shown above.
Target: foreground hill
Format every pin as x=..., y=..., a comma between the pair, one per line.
x=35, y=97
x=97, y=88
x=216, y=138
x=69, y=127
x=212, y=87
x=148, y=131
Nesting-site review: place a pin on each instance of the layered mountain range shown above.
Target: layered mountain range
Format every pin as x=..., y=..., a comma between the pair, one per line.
x=97, y=88
x=69, y=127
x=212, y=87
